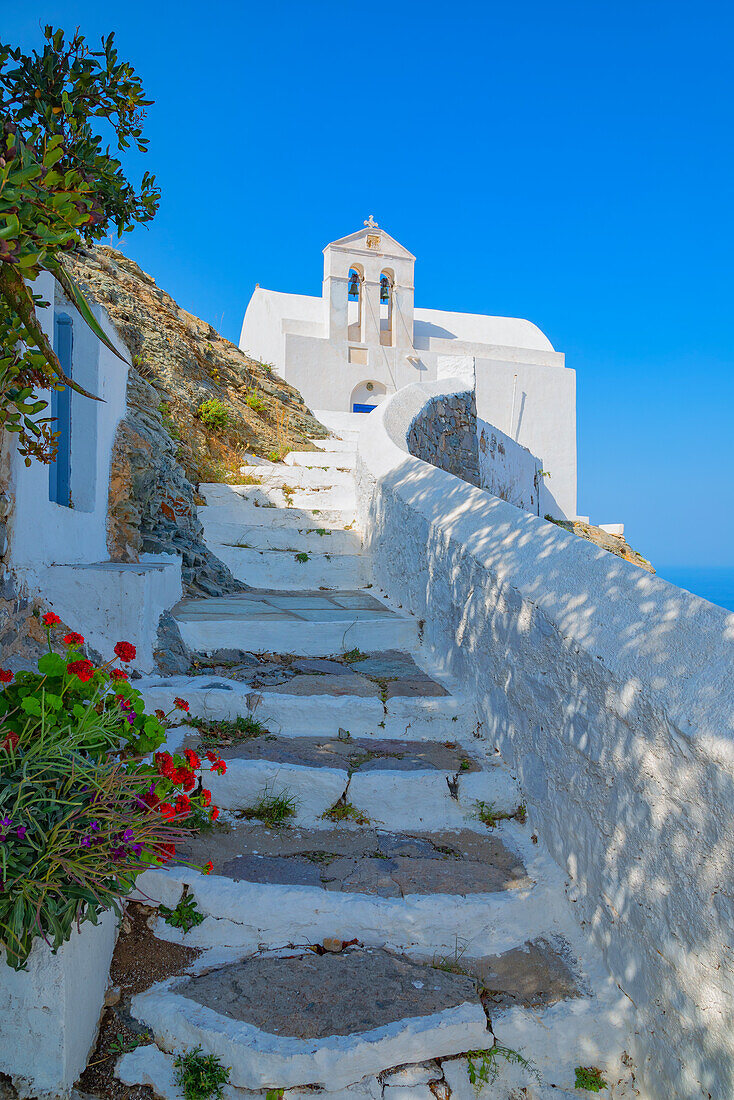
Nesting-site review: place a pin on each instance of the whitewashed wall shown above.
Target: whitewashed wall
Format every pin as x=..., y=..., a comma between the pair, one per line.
x=611, y=694
x=507, y=470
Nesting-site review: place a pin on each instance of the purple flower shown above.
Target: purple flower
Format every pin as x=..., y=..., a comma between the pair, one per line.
x=85, y=842
x=6, y=822
x=21, y=831
x=136, y=849
x=2, y=836
x=118, y=853
x=94, y=825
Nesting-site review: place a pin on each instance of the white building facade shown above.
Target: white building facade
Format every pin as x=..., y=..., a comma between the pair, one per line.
x=364, y=338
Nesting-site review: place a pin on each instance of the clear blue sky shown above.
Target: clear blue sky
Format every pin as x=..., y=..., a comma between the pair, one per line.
x=570, y=162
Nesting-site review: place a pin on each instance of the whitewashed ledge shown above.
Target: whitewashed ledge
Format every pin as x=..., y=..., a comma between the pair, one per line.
x=611, y=694
x=49, y=1012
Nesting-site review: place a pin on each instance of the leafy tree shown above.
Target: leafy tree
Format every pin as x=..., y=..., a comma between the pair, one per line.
x=60, y=187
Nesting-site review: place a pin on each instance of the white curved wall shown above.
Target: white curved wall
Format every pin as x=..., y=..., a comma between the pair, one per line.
x=611, y=694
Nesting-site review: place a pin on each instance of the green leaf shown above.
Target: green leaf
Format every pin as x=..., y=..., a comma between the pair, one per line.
x=31, y=705
x=73, y=291
x=51, y=664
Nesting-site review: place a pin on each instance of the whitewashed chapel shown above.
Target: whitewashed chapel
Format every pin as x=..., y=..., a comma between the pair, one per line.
x=364, y=338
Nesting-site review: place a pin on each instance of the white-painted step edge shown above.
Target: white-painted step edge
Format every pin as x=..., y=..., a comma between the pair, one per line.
x=302, y=477
x=412, y=718
x=226, y=533
x=340, y=460
x=240, y=511
x=312, y=790
x=281, y=570
x=258, y=1059
x=307, y=639
x=334, y=445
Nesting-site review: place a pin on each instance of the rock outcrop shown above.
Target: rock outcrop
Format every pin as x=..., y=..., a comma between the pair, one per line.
x=614, y=544
x=164, y=447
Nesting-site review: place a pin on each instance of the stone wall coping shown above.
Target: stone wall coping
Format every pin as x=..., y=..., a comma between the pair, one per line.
x=657, y=640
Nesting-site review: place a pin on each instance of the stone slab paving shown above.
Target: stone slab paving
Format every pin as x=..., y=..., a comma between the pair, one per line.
x=355, y=753
x=362, y=860
x=305, y=606
x=312, y=997
x=388, y=674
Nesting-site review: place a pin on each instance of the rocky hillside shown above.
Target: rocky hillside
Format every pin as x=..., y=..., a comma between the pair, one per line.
x=196, y=406
x=614, y=544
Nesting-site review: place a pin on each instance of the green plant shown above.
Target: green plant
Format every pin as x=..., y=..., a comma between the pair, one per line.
x=81, y=811
x=301, y=557
x=224, y=731
x=184, y=915
x=355, y=654
x=274, y=456
x=60, y=187
x=254, y=402
x=200, y=1076
x=345, y=811
x=273, y=809
x=214, y=415
x=483, y=1068
x=490, y=817
x=591, y=1078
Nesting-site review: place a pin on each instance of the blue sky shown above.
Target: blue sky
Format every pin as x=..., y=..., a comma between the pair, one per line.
x=571, y=163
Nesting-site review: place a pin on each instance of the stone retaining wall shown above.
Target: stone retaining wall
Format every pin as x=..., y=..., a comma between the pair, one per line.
x=444, y=433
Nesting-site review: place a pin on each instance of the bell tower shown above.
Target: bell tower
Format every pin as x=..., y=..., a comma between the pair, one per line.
x=368, y=290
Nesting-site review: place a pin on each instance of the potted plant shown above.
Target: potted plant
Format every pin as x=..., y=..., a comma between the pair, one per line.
x=86, y=804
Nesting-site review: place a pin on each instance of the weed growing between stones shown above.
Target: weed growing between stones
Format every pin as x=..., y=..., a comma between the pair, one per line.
x=200, y=1076
x=483, y=1068
x=226, y=731
x=184, y=915
x=490, y=817
x=301, y=557
x=591, y=1078
x=355, y=654
x=345, y=811
x=254, y=402
x=272, y=809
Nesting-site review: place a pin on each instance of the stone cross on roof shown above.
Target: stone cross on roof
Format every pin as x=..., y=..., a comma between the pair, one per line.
x=371, y=223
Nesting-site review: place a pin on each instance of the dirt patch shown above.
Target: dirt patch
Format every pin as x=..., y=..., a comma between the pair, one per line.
x=139, y=961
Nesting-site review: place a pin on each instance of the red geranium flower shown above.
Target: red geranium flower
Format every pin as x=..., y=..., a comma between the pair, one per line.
x=83, y=669
x=150, y=798
x=72, y=638
x=180, y=704
x=166, y=852
x=5, y=676
x=160, y=714
x=219, y=767
x=206, y=796
x=50, y=619
x=10, y=742
x=214, y=814
x=208, y=868
x=125, y=651
x=118, y=674
x=183, y=806
x=167, y=810
x=164, y=764
x=192, y=759
x=212, y=756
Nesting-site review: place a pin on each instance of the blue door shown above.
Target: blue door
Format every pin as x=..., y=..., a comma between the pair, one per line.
x=363, y=408
x=59, y=472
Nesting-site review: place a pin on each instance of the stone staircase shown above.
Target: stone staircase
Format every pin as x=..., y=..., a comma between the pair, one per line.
x=400, y=930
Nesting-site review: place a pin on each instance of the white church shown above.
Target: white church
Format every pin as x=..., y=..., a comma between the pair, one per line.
x=364, y=338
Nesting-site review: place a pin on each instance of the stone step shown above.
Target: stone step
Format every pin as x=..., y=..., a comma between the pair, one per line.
x=292, y=1018
x=341, y=424
x=310, y=539
x=421, y=892
x=314, y=624
x=395, y=784
x=240, y=510
x=297, y=477
x=265, y=495
x=374, y=696
x=348, y=445
x=285, y=570
x=322, y=460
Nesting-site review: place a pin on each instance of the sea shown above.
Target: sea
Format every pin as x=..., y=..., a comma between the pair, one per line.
x=713, y=583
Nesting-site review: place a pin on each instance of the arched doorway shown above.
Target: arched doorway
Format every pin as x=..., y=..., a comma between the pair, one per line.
x=367, y=396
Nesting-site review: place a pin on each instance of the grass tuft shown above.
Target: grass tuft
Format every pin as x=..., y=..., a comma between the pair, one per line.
x=272, y=809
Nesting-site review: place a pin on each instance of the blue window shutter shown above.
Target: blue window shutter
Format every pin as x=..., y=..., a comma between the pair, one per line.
x=59, y=472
